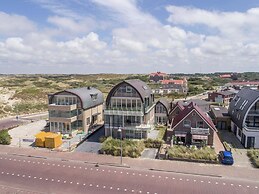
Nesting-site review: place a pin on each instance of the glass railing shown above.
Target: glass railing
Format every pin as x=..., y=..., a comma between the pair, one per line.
x=124, y=109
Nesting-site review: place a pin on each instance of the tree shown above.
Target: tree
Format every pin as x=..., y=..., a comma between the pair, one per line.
x=5, y=138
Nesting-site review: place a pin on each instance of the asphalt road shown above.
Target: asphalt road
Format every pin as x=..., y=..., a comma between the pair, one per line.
x=21, y=174
x=12, y=121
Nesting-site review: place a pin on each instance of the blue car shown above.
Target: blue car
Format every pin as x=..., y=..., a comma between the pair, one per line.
x=226, y=157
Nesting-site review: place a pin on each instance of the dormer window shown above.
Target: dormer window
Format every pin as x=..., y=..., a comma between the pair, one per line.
x=128, y=89
x=94, y=96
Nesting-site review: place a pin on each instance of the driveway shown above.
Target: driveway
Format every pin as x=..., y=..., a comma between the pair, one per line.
x=92, y=144
x=149, y=153
x=237, y=149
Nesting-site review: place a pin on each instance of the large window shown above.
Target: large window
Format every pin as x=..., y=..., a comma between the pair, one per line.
x=199, y=124
x=187, y=123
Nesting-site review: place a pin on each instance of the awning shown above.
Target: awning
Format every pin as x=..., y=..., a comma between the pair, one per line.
x=201, y=137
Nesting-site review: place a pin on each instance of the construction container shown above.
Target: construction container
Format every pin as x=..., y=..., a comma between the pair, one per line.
x=40, y=139
x=53, y=140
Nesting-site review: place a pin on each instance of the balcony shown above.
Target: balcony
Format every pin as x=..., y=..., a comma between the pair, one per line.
x=62, y=107
x=62, y=119
x=253, y=112
x=142, y=127
x=200, y=131
x=128, y=112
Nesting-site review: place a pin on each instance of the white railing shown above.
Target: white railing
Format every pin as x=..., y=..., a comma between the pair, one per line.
x=200, y=131
x=123, y=112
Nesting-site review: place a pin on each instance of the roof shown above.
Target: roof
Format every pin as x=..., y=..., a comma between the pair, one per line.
x=241, y=104
x=164, y=102
x=141, y=87
x=172, y=82
x=219, y=111
x=158, y=74
x=188, y=109
x=85, y=96
x=225, y=76
x=245, y=83
x=225, y=92
x=202, y=104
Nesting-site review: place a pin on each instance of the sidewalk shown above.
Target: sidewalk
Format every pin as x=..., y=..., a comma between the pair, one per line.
x=145, y=164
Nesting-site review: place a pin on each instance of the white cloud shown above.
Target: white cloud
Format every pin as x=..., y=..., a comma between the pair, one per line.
x=12, y=24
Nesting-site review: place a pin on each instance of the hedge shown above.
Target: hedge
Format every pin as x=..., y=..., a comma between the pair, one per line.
x=5, y=138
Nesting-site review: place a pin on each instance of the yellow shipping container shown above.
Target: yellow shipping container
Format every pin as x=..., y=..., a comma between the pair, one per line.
x=40, y=139
x=53, y=140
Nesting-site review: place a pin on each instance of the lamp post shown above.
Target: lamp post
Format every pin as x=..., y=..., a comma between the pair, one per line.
x=119, y=130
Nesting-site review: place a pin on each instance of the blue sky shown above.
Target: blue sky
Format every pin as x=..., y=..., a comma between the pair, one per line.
x=128, y=36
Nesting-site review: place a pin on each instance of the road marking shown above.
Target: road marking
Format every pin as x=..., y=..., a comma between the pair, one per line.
x=224, y=183
x=166, y=177
x=180, y=179
x=52, y=180
x=77, y=183
x=85, y=168
x=194, y=180
x=173, y=178
x=64, y=181
x=232, y=184
x=110, y=187
x=153, y=176
x=202, y=181
x=74, y=167
x=133, y=174
x=121, y=172
x=132, y=191
x=118, y=189
x=125, y=190
x=239, y=185
x=84, y=184
x=29, y=176
x=216, y=183
x=71, y=182
x=90, y=185
x=46, y=179
x=68, y=166
x=247, y=186
x=58, y=181
x=256, y=187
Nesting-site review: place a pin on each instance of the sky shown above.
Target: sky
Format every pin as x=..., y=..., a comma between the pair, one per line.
x=128, y=36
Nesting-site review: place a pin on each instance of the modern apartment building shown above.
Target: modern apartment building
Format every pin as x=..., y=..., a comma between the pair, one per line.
x=244, y=112
x=130, y=107
x=162, y=111
x=74, y=110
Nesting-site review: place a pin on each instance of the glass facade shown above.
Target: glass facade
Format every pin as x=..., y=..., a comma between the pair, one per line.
x=252, y=120
x=64, y=114
x=64, y=100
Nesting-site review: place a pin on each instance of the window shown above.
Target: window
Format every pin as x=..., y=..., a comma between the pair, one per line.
x=187, y=123
x=94, y=96
x=128, y=89
x=199, y=124
x=88, y=121
x=239, y=133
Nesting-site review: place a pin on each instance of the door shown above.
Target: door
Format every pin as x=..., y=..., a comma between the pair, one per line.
x=250, y=142
x=223, y=125
x=243, y=140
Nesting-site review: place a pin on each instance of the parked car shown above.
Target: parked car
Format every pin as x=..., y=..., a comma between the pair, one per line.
x=226, y=157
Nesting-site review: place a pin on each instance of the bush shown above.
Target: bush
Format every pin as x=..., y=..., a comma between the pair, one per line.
x=254, y=156
x=204, y=153
x=130, y=148
x=5, y=138
x=153, y=143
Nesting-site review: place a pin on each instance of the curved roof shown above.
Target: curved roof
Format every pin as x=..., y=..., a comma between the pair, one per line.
x=141, y=87
x=85, y=95
x=241, y=104
x=165, y=103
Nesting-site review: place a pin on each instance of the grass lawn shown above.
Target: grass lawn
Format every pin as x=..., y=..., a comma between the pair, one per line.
x=183, y=152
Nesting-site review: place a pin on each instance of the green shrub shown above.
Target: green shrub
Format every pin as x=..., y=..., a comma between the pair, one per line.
x=5, y=138
x=153, y=143
x=254, y=156
x=130, y=148
x=204, y=153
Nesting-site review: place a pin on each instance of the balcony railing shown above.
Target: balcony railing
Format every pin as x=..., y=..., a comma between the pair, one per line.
x=253, y=112
x=129, y=112
x=62, y=107
x=200, y=131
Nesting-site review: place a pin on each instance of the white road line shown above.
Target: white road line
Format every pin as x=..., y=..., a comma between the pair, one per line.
x=224, y=183
x=85, y=168
x=125, y=190
x=232, y=184
x=132, y=191
x=77, y=183
x=64, y=181
x=104, y=186
x=216, y=183
x=90, y=185
x=202, y=181
x=247, y=186
x=71, y=182
x=118, y=189
x=74, y=167
x=239, y=185
x=180, y=179
x=52, y=180
x=111, y=188
x=256, y=187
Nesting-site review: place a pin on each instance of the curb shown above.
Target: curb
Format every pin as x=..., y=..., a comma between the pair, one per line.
x=196, y=174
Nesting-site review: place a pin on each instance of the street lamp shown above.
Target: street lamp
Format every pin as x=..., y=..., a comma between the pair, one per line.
x=119, y=130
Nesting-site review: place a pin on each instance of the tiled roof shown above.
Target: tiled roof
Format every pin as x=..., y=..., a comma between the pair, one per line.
x=158, y=73
x=172, y=82
x=188, y=109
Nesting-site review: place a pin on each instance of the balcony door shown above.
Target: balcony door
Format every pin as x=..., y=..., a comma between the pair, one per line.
x=250, y=142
